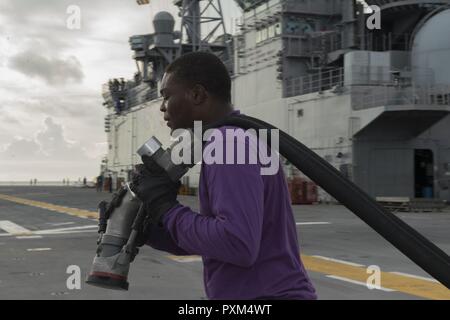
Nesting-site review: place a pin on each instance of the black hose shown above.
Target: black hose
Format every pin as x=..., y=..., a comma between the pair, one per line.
x=406, y=239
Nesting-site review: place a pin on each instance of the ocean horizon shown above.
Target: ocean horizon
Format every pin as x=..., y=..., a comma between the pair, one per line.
x=43, y=183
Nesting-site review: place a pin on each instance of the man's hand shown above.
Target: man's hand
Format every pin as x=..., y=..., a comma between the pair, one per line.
x=156, y=190
x=158, y=194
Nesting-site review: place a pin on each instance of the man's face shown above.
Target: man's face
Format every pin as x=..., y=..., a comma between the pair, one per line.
x=177, y=108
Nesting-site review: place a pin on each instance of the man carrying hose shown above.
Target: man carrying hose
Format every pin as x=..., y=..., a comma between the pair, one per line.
x=245, y=230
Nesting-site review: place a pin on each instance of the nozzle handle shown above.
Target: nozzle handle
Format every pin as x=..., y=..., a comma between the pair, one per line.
x=102, y=217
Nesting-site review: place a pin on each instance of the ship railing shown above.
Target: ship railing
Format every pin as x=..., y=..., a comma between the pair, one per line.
x=306, y=45
x=318, y=82
x=291, y=6
x=371, y=86
x=140, y=95
x=311, y=7
x=385, y=42
x=349, y=76
x=260, y=13
x=366, y=75
x=390, y=95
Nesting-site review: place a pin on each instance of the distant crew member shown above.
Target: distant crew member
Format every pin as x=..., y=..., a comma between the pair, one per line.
x=110, y=184
x=99, y=183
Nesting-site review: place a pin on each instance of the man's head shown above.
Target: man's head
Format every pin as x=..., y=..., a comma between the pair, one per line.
x=196, y=86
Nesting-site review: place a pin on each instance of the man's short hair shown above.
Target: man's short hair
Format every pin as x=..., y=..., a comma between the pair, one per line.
x=205, y=69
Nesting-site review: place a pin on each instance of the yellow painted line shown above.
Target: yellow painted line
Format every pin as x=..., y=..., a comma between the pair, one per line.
x=402, y=283
x=413, y=286
x=185, y=258
x=52, y=207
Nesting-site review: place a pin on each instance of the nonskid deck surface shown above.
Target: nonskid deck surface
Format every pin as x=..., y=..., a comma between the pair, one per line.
x=47, y=232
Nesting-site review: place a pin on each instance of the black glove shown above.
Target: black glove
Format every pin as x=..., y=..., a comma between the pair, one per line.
x=156, y=190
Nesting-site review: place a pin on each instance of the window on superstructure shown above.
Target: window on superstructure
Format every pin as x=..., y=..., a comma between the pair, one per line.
x=258, y=36
x=298, y=26
x=278, y=29
x=271, y=32
x=264, y=33
x=261, y=8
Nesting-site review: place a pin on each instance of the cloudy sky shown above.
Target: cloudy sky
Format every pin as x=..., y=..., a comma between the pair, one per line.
x=51, y=113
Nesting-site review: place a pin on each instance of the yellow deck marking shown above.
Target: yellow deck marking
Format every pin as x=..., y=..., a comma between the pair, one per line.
x=52, y=207
x=402, y=283
x=185, y=258
x=405, y=284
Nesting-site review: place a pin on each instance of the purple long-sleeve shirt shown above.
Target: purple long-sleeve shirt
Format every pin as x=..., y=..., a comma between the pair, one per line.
x=245, y=232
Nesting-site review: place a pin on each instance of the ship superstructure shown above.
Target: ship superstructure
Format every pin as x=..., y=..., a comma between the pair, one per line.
x=374, y=102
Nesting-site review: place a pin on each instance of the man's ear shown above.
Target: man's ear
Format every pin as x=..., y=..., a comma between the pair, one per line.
x=198, y=94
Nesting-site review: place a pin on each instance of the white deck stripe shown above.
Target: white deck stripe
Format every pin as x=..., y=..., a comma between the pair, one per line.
x=89, y=228
x=359, y=283
x=340, y=261
x=49, y=231
x=39, y=249
x=69, y=232
x=12, y=228
x=61, y=224
x=310, y=223
x=185, y=258
x=29, y=237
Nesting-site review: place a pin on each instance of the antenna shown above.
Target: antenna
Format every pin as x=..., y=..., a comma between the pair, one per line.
x=201, y=21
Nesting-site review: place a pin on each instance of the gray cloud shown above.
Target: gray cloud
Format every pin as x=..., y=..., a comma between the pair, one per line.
x=76, y=106
x=54, y=71
x=50, y=16
x=49, y=144
x=5, y=118
x=80, y=111
x=47, y=156
x=20, y=149
x=38, y=44
x=55, y=146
